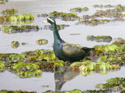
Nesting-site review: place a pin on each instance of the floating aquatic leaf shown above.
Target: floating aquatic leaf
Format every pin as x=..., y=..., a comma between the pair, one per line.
x=9, y=11
x=19, y=29
x=99, y=38
x=27, y=70
x=2, y=65
x=15, y=44
x=65, y=16
x=42, y=41
x=79, y=9
x=115, y=84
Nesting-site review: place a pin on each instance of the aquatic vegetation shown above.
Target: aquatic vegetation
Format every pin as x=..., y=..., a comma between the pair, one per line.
x=79, y=9
x=27, y=70
x=104, y=6
x=13, y=57
x=107, y=13
x=5, y=28
x=119, y=42
x=42, y=15
x=15, y=44
x=29, y=28
x=44, y=60
x=4, y=19
x=88, y=68
x=59, y=27
x=107, y=48
x=99, y=38
x=19, y=29
x=42, y=41
x=115, y=59
x=42, y=55
x=114, y=84
x=17, y=19
x=112, y=53
x=72, y=91
x=2, y=65
x=85, y=91
x=9, y=11
x=111, y=58
x=17, y=91
x=64, y=16
x=23, y=43
x=21, y=19
x=104, y=16
x=100, y=91
x=3, y=1
x=94, y=22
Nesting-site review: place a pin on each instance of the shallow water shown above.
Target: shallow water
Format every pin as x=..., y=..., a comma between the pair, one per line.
x=115, y=29
x=47, y=81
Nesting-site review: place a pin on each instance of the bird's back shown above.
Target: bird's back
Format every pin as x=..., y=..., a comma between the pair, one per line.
x=72, y=52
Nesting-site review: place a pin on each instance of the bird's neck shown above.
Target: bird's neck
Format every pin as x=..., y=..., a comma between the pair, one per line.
x=57, y=37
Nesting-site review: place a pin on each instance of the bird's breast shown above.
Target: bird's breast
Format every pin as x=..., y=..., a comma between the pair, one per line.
x=58, y=50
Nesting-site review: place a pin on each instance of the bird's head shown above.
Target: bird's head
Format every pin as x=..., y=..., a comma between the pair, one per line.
x=51, y=20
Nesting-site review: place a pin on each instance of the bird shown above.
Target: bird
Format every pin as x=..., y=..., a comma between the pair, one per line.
x=66, y=51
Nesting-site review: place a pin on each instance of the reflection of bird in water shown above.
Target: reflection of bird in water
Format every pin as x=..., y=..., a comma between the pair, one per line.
x=63, y=77
x=65, y=51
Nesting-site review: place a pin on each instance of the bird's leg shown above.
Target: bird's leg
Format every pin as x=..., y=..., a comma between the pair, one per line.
x=59, y=80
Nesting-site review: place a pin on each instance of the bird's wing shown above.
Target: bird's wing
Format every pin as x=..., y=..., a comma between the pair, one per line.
x=72, y=50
